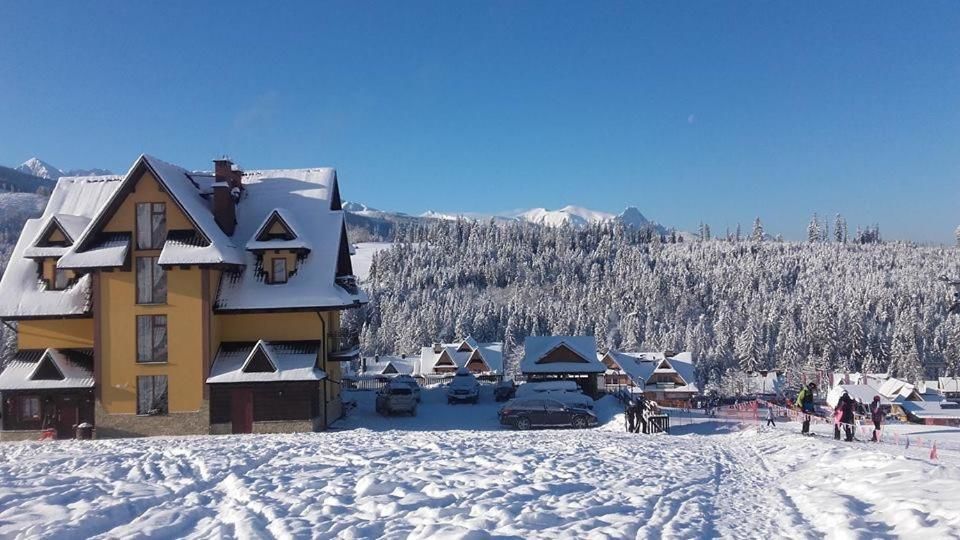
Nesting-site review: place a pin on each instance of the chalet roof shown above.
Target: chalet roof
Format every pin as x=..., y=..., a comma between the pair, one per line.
x=307, y=199
x=292, y=360
x=73, y=367
x=949, y=384
x=640, y=366
x=303, y=198
x=186, y=194
x=537, y=347
x=896, y=390
x=932, y=409
x=289, y=222
x=492, y=354
x=863, y=392
x=22, y=294
x=380, y=365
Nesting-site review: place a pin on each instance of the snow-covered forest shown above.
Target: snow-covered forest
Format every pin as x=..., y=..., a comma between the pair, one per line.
x=824, y=304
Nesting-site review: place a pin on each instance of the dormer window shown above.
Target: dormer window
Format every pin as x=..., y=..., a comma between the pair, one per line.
x=278, y=271
x=60, y=279
x=151, y=225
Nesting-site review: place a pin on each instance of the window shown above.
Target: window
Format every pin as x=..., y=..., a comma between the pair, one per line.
x=29, y=408
x=151, y=225
x=152, y=395
x=279, y=273
x=151, y=339
x=151, y=281
x=60, y=279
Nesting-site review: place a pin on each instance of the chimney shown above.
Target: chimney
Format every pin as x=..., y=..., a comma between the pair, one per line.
x=226, y=189
x=437, y=348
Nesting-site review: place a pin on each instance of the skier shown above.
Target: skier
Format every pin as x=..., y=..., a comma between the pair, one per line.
x=846, y=415
x=639, y=408
x=805, y=402
x=770, y=421
x=876, y=414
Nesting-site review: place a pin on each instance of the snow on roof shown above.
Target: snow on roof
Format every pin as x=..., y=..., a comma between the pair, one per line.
x=897, y=390
x=862, y=392
x=74, y=366
x=950, y=384
x=537, y=347
x=304, y=195
x=293, y=360
x=71, y=226
x=297, y=242
x=932, y=409
x=638, y=366
x=378, y=365
x=492, y=354
x=22, y=293
x=186, y=193
x=107, y=251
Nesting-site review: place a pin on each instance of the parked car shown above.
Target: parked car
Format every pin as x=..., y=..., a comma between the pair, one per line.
x=463, y=388
x=409, y=381
x=505, y=390
x=396, y=398
x=525, y=413
x=564, y=391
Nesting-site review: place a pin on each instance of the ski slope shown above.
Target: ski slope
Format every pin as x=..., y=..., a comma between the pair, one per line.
x=451, y=472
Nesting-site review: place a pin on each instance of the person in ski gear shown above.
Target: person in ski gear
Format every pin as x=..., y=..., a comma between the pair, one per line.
x=837, y=415
x=846, y=416
x=770, y=421
x=805, y=403
x=876, y=414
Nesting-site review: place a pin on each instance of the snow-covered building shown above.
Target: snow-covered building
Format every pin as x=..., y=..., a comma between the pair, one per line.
x=935, y=413
x=447, y=358
x=386, y=365
x=950, y=387
x=669, y=380
x=183, y=302
x=563, y=358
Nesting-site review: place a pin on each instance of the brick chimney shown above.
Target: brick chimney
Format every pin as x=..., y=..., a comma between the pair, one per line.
x=226, y=192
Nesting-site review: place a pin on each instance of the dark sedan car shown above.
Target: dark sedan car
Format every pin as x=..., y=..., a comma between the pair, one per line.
x=525, y=413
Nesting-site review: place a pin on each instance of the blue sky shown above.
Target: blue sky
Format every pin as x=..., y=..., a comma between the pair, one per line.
x=715, y=111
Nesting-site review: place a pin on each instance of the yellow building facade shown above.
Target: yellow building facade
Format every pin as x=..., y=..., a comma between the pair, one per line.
x=190, y=332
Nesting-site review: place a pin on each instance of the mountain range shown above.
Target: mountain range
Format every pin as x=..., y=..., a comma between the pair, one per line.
x=41, y=169
x=365, y=222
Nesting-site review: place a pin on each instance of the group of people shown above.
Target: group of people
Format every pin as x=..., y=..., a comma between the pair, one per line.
x=843, y=414
x=633, y=412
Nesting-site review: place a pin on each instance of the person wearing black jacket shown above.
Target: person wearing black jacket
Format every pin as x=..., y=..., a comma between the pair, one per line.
x=846, y=415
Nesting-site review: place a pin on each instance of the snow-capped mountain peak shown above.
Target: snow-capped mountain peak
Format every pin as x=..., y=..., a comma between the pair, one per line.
x=632, y=217
x=37, y=167
x=573, y=215
x=40, y=168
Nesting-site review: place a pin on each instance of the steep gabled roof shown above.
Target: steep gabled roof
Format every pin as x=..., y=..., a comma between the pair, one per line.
x=291, y=239
x=490, y=353
x=22, y=295
x=240, y=362
x=69, y=226
x=302, y=198
x=48, y=369
x=217, y=248
x=584, y=348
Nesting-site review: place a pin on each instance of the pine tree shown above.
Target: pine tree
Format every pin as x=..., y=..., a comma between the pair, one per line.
x=757, y=234
x=813, y=230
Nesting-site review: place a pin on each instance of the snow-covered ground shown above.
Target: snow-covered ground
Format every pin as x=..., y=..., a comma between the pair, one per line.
x=363, y=257
x=451, y=471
